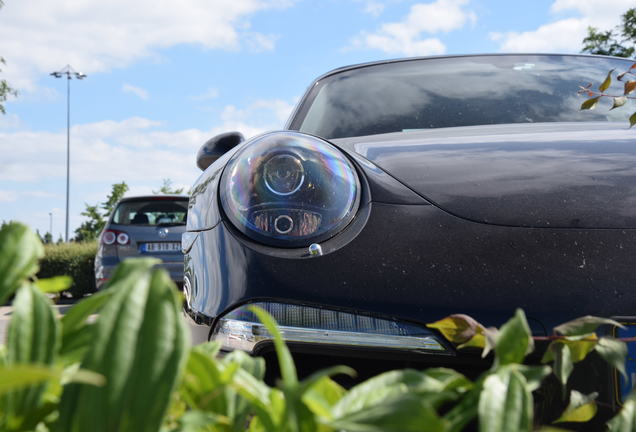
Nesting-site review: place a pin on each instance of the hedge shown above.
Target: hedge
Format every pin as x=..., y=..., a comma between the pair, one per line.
x=72, y=259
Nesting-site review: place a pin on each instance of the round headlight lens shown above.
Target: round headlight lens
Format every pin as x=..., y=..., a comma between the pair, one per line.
x=289, y=189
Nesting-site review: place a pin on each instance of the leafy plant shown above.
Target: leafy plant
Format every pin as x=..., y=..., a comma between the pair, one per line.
x=618, y=100
x=120, y=361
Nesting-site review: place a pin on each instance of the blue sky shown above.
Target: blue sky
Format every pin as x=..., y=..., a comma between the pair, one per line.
x=164, y=78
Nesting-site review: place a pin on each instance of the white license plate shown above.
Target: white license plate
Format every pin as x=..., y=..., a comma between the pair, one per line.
x=161, y=247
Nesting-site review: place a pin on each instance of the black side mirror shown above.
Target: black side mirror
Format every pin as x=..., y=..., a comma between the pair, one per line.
x=215, y=147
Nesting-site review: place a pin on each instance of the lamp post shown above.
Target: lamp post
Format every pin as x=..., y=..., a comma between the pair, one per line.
x=70, y=73
x=51, y=225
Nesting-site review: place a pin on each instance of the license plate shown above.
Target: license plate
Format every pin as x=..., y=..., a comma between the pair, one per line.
x=625, y=386
x=161, y=247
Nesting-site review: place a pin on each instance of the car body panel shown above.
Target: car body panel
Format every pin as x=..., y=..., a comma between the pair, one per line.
x=558, y=175
x=435, y=264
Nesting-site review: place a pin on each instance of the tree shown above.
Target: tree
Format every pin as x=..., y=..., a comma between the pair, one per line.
x=118, y=191
x=96, y=219
x=166, y=188
x=5, y=88
x=620, y=41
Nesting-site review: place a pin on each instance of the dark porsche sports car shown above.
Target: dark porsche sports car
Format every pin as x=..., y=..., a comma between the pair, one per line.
x=404, y=191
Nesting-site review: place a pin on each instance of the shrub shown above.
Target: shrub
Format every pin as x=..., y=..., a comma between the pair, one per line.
x=131, y=368
x=76, y=260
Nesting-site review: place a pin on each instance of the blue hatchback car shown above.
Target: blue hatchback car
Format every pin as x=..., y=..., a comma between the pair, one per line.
x=143, y=226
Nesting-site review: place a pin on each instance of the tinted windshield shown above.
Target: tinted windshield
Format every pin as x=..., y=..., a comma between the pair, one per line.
x=151, y=212
x=461, y=91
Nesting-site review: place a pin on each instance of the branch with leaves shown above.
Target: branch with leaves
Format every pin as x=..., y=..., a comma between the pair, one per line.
x=618, y=99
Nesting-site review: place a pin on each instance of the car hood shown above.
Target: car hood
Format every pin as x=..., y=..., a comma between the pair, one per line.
x=548, y=175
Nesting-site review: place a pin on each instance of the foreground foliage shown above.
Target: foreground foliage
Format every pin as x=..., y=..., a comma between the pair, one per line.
x=130, y=368
x=76, y=260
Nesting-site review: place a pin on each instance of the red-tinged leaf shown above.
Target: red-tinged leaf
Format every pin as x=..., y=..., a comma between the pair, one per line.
x=590, y=103
x=608, y=81
x=632, y=66
x=458, y=328
x=590, y=93
x=632, y=120
x=619, y=102
x=630, y=86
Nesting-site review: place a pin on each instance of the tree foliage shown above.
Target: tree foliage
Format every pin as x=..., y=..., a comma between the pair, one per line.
x=5, y=89
x=619, y=41
x=166, y=188
x=96, y=215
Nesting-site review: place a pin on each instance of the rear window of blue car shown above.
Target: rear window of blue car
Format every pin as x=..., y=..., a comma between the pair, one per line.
x=458, y=91
x=157, y=211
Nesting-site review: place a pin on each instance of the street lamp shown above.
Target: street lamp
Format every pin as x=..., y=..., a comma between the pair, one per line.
x=70, y=73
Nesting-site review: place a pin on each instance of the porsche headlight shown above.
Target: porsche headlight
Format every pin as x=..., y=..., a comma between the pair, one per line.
x=289, y=189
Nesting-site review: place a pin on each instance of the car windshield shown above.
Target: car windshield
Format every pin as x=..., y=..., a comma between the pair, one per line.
x=460, y=91
x=158, y=211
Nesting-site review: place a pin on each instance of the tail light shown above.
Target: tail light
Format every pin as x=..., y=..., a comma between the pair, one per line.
x=109, y=237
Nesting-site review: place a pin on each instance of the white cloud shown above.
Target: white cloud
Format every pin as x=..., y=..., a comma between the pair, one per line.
x=372, y=7
x=263, y=113
x=134, y=149
x=405, y=37
x=8, y=196
x=210, y=93
x=137, y=91
x=565, y=34
x=38, y=36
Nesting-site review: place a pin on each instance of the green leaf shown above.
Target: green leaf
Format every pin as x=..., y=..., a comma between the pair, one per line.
x=618, y=102
x=613, y=352
x=584, y=326
x=77, y=315
x=259, y=396
x=285, y=360
x=33, y=338
x=582, y=408
x=465, y=410
x=22, y=376
x=608, y=81
x=632, y=120
x=460, y=329
x=534, y=375
x=625, y=420
x=563, y=365
x=579, y=349
x=629, y=87
x=514, y=340
x=505, y=403
x=139, y=346
x=321, y=396
x=199, y=421
x=590, y=103
x=376, y=390
x=20, y=251
x=404, y=413
x=54, y=284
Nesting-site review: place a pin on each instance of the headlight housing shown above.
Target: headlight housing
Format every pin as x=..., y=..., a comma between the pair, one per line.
x=289, y=189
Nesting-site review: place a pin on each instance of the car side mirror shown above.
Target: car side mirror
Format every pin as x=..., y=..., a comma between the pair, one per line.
x=216, y=147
